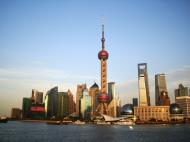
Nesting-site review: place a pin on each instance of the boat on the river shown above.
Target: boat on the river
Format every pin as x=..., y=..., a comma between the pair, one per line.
x=3, y=119
x=78, y=122
x=129, y=123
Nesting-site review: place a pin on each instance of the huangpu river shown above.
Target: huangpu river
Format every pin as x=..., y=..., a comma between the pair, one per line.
x=16, y=131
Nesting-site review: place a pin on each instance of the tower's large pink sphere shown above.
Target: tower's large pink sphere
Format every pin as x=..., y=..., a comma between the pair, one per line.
x=103, y=54
x=103, y=98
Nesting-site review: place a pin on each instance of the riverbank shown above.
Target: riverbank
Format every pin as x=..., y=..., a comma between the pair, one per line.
x=95, y=123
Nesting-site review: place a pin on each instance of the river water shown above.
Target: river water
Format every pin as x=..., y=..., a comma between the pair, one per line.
x=15, y=131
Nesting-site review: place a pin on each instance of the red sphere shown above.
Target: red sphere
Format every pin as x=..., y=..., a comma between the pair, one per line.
x=103, y=54
x=103, y=98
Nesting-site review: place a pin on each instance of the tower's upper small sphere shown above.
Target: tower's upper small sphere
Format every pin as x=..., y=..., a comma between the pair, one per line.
x=103, y=54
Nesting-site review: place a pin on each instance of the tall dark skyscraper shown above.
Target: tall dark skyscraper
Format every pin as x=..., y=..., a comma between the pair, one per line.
x=103, y=97
x=26, y=104
x=111, y=90
x=144, y=97
x=135, y=102
x=51, y=100
x=161, y=93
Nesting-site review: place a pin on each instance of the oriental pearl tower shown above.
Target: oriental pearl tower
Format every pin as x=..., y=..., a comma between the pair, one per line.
x=103, y=97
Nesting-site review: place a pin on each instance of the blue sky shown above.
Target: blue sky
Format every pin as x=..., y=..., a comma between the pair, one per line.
x=44, y=43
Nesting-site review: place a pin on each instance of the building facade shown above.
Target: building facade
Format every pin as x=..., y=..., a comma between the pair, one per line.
x=62, y=105
x=86, y=105
x=135, y=102
x=51, y=100
x=37, y=111
x=161, y=93
x=72, y=104
x=111, y=90
x=16, y=113
x=93, y=92
x=144, y=97
x=114, y=107
x=181, y=91
x=26, y=104
x=184, y=103
x=155, y=113
x=80, y=89
x=37, y=97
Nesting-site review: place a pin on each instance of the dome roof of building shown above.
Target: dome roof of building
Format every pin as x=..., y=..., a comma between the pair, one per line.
x=175, y=109
x=127, y=109
x=103, y=97
x=95, y=85
x=103, y=54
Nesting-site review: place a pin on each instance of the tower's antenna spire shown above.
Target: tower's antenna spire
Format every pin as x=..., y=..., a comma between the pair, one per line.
x=103, y=39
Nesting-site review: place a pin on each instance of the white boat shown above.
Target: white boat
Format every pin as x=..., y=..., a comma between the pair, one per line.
x=124, y=123
x=78, y=122
x=103, y=123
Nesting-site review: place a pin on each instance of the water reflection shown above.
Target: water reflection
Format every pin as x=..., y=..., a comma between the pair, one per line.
x=31, y=132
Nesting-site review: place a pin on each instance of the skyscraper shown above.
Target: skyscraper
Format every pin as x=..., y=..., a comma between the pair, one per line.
x=72, y=105
x=103, y=97
x=62, y=105
x=114, y=107
x=80, y=89
x=135, y=102
x=161, y=93
x=26, y=104
x=51, y=100
x=37, y=97
x=181, y=91
x=111, y=90
x=16, y=113
x=85, y=108
x=93, y=92
x=144, y=97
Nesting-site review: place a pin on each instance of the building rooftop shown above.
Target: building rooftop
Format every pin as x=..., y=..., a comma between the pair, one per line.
x=95, y=85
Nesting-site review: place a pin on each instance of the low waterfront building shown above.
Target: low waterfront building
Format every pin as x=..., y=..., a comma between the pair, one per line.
x=37, y=111
x=176, y=113
x=16, y=113
x=152, y=113
x=127, y=110
x=184, y=103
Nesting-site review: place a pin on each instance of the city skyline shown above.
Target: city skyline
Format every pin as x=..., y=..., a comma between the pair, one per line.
x=47, y=44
